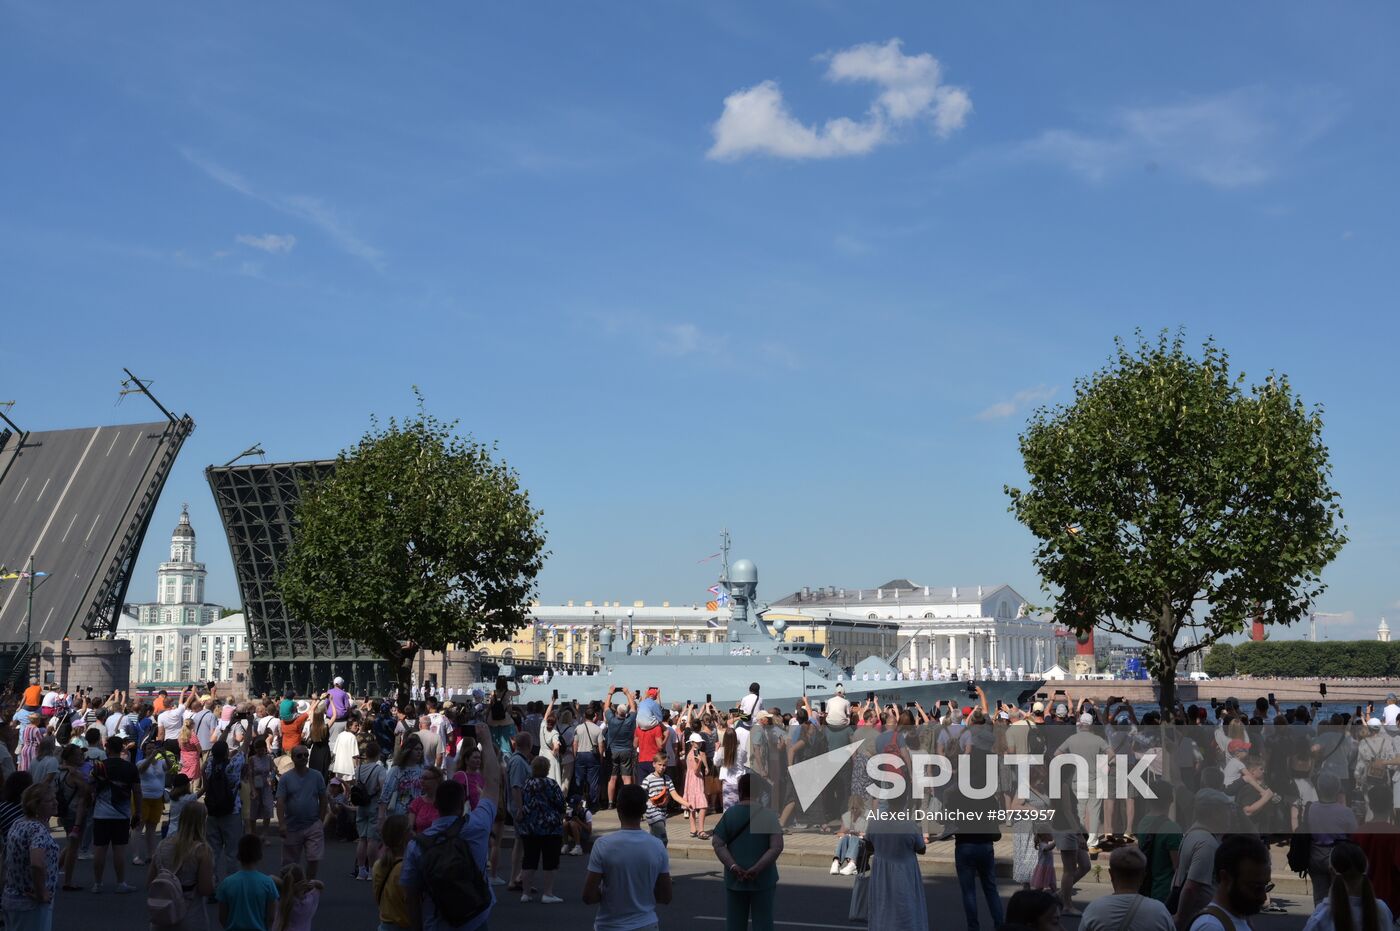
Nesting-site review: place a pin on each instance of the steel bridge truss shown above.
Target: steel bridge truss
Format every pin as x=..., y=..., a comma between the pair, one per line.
x=257, y=504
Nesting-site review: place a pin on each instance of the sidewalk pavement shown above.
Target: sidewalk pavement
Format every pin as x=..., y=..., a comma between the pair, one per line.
x=808, y=848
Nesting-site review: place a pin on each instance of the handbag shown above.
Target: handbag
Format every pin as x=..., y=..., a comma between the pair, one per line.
x=860, y=899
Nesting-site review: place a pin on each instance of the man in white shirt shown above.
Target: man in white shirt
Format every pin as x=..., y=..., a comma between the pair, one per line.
x=1391, y=713
x=1125, y=908
x=838, y=709
x=1086, y=744
x=751, y=704
x=1242, y=873
x=629, y=871
x=171, y=719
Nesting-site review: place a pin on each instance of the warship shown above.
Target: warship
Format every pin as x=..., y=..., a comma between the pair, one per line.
x=752, y=652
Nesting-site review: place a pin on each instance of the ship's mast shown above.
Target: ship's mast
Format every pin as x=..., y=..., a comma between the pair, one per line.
x=724, y=558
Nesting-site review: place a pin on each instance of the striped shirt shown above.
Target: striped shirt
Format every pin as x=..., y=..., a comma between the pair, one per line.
x=658, y=789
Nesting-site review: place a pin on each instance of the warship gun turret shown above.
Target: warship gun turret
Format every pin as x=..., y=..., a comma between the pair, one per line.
x=750, y=653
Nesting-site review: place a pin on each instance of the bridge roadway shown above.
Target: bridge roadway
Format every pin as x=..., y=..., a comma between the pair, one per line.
x=68, y=496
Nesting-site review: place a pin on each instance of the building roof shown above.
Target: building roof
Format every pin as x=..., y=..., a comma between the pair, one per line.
x=183, y=528
x=901, y=590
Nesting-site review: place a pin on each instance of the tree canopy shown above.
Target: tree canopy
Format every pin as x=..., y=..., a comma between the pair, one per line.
x=1328, y=659
x=419, y=539
x=1172, y=502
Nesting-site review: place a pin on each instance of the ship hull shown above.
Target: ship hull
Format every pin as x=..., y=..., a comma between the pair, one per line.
x=695, y=685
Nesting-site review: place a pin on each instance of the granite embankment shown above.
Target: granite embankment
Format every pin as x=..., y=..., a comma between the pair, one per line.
x=1287, y=691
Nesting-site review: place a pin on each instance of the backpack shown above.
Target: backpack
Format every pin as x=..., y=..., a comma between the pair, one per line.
x=1300, y=845
x=64, y=733
x=360, y=795
x=218, y=794
x=451, y=876
x=165, y=899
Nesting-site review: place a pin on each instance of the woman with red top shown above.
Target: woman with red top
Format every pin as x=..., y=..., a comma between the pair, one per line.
x=291, y=730
x=422, y=811
x=469, y=772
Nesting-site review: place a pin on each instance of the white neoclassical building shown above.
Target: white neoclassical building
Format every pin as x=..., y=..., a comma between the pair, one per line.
x=965, y=629
x=180, y=637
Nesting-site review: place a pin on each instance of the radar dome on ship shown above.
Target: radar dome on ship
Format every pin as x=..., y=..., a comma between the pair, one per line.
x=743, y=571
x=779, y=626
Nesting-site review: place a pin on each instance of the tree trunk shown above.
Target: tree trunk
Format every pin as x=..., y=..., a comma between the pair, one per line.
x=402, y=665
x=1166, y=658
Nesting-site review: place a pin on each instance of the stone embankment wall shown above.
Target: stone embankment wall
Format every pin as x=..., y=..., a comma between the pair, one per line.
x=1287, y=691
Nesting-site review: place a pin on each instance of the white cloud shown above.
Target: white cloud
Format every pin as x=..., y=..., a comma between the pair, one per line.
x=1018, y=402
x=268, y=242
x=1229, y=140
x=852, y=245
x=678, y=339
x=309, y=209
x=756, y=120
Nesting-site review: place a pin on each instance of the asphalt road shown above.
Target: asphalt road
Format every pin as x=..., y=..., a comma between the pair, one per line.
x=807, y=898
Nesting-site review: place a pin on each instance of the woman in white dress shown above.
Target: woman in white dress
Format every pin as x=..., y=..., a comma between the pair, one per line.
x=1025, y=846
x=551, y=744
x=732, y=761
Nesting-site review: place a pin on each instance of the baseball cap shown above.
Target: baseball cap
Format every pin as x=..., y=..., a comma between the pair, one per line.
x=1374, y=722
x=1086, y=718
x=967, y=710
x=338, y=681
x=840, y=689
x=653, y=692
x=1206, y=797
x=1390, y=697
x=1038, y=707
x=1237, y=746
x=1061, y=710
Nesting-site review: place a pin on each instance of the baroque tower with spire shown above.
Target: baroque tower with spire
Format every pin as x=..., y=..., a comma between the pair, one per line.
x=180, y=637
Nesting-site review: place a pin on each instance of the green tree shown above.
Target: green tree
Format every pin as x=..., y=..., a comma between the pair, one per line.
x=1220, y=661
x=419, y=539
x=1170, y=501
x=228, y=612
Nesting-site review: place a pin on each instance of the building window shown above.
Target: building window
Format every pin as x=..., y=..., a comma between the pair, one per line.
x=507, y=654
x=204, y=656
x=158, y=656
x=559, y=657
x=159, y=639
x=544, y=656
x=578, y=658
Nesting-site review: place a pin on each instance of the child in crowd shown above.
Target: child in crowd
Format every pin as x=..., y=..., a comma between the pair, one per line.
x=297, y=900
x=578, y=827
x=659, y=789
x=388, y=894
x=248, y=898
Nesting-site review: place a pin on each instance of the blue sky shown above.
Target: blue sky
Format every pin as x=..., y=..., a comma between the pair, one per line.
x=800, y=270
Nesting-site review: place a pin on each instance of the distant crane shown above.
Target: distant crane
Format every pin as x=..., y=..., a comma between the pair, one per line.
x=1312, y=618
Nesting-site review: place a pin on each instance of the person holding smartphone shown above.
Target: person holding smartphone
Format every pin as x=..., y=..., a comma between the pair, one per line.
x=551, y=744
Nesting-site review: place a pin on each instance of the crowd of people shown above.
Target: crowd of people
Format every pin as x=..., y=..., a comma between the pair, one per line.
x=187, y=787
